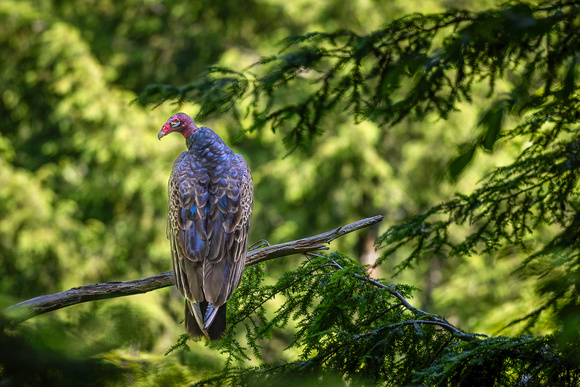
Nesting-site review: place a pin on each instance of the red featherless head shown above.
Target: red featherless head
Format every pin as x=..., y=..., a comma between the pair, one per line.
x=180, y=123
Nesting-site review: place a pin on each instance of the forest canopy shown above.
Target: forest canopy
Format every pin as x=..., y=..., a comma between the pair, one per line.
x=458, y=124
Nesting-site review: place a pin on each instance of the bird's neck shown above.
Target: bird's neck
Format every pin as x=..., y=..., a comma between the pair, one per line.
x=189, y=130
x=205, y=141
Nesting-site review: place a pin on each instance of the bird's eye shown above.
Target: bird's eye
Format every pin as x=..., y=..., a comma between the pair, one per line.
x=174, y=122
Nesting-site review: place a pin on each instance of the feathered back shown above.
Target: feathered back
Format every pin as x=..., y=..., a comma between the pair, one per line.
x=210, y=206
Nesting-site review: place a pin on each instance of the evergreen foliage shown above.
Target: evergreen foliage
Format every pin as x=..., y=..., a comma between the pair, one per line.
x=346, y=322
x=83, y=182
x=416, y=65
x=355, y=327
x=359, y=330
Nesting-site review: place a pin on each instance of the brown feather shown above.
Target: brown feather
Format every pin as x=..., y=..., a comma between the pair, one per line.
x=209, y=211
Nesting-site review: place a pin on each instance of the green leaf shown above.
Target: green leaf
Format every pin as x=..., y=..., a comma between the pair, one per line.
x=460, y=162
x=569, y=83
x=492, y=120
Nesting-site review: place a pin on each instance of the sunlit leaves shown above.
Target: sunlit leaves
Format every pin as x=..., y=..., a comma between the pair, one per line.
x=81, y=175
x=78, y=184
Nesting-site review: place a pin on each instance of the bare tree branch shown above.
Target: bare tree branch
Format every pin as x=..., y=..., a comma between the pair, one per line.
x=39, y=305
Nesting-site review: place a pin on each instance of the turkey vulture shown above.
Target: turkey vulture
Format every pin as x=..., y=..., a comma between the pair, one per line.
x=210, y=205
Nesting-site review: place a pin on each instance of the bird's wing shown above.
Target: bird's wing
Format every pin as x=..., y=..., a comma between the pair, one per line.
x=228, y=223
x=187, y=249
x=208, y=225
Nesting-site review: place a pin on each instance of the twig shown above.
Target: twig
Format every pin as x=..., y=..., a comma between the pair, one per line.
x=39, y=305
x=429, y=318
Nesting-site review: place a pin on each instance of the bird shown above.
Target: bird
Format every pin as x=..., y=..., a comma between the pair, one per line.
x=208, y=219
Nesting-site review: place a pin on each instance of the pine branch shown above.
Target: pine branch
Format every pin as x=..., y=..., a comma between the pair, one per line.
x=428, y=318
x=25, y=310
x=416, y=65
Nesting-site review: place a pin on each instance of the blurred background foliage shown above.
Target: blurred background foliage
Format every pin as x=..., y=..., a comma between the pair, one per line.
x=83, y=177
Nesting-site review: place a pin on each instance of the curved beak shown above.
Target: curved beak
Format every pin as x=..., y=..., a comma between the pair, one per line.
x=166, y=129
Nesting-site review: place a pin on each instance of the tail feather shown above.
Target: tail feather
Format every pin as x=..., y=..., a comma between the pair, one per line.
x=191, y=323
x=216, y=328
